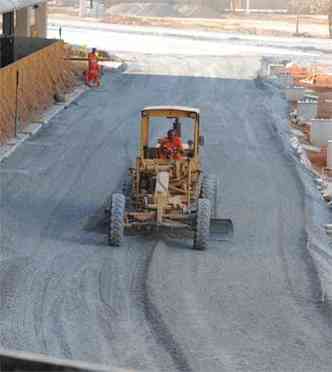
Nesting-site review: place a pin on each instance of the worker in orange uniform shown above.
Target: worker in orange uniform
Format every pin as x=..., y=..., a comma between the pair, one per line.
x=92, y=76
x=171, y=146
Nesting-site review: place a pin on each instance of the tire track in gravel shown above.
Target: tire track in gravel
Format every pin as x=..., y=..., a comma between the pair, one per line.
x=161, y=332
x=144, y=303
x=105, y=316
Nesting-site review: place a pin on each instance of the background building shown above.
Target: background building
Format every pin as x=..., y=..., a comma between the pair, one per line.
x=20, y=18
x=33, y=69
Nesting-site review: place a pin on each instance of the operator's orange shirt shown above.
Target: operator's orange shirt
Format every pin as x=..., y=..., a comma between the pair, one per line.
x=93, y=61
x=174, y=146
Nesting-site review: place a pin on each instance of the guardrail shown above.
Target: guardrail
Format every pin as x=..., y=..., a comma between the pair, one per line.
x=29, y=85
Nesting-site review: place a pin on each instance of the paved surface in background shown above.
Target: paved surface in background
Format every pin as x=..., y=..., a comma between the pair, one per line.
x=252, y=304
x=171, y=41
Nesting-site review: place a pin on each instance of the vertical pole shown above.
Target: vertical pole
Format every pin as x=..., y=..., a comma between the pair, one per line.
x=23, y=22
x=41, y=20
x=330, y=19
x=297, y=17
x=297, y=24
x=16, y=102
x=82, y=8
x=248, y=7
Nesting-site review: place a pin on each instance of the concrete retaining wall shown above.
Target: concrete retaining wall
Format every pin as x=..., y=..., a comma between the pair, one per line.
x=40, y=76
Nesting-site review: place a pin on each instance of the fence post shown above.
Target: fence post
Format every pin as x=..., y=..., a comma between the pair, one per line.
x=16, y=101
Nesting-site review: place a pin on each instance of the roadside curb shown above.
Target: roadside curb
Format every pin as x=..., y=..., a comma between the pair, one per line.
x=119, y=66
x=34, y=127
x=122, y=68
x=317, y=215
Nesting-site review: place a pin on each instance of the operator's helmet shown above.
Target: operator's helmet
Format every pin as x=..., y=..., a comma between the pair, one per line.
x=94, y=50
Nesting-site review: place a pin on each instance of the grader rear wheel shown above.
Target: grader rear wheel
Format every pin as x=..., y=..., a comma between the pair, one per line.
x=202, y=233
x=116, y=220
x=127, y=191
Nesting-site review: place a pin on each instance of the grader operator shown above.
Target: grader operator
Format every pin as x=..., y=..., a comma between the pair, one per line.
x=171, y=146
x=167, y=188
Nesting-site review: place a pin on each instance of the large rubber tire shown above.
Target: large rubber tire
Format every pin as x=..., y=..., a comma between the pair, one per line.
x=116, y=220
x=202, y=231
x=127, y=187
x=209, y=191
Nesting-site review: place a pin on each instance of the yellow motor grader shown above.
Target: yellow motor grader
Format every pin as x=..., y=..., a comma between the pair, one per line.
x=172, y=193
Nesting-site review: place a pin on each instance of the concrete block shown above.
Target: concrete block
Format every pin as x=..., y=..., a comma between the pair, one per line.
x=31, y=129
x=276, y=69
x=285, y=80
x=307, y=109
x=321, y=132
x=294, y=94
x=311, y=148
x=297, y=133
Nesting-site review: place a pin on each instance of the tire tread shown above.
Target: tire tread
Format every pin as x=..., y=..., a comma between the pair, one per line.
x=116, y=220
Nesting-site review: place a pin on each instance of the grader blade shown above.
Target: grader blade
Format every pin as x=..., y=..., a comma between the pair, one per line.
x=221, y=229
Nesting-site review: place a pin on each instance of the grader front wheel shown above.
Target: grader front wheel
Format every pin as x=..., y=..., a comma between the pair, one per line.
x=116, y=220
x=209, y=191
x=202, y=233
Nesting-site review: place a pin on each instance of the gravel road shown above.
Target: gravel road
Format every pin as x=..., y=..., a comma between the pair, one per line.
x=250, y=304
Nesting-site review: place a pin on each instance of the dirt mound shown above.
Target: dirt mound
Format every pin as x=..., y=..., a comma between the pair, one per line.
x=163, y=9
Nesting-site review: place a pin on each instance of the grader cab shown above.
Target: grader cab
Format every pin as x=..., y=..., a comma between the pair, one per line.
x=168, y=192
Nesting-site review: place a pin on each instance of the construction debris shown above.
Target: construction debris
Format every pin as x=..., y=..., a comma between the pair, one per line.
x=308, y=90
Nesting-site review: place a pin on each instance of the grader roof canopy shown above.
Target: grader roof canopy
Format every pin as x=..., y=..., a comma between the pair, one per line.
x=10, y=5
x=170, y=111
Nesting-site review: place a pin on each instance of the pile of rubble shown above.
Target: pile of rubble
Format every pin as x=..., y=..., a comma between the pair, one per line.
x=308, y=90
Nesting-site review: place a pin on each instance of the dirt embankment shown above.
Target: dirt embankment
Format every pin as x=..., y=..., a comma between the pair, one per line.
x=204, y=18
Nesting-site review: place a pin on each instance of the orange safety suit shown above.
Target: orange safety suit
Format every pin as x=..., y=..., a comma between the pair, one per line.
x=171, y=148
x=93, y=74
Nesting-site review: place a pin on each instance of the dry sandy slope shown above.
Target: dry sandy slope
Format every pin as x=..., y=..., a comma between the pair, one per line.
x=162, y=9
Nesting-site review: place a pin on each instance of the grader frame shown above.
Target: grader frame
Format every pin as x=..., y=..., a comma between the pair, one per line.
x=166, y=193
